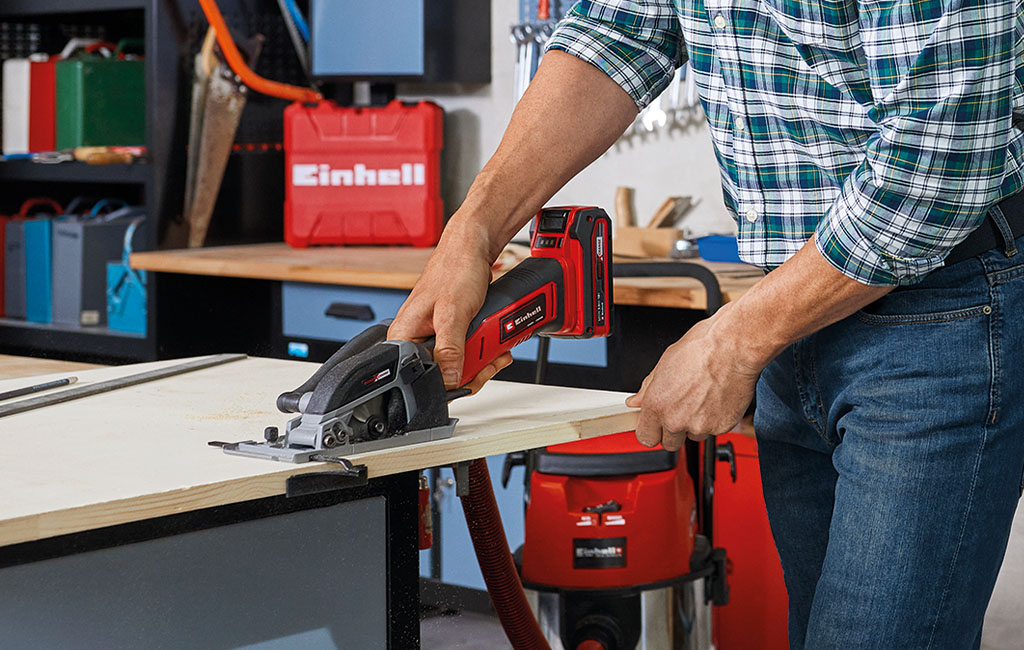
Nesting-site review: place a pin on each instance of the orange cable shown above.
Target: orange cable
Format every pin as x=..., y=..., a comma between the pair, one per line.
x=238, y=66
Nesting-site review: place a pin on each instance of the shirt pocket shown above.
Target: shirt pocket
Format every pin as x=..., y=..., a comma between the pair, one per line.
x=803, y=21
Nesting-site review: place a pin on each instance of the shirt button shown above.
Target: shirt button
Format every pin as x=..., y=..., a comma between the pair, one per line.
x=720, y=21
x=752, y=215
x=739, y=123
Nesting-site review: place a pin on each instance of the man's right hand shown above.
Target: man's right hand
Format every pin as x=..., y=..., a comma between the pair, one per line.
x=445, y=300
x=571, y=113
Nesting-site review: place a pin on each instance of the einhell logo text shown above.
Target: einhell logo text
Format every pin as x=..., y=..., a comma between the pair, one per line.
x=529, y=315
x=599, y=553
x=322, y=175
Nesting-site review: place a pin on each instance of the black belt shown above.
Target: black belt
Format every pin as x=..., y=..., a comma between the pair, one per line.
x=987, y=236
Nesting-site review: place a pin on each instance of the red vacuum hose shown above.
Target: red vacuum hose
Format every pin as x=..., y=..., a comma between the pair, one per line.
x=491, y=546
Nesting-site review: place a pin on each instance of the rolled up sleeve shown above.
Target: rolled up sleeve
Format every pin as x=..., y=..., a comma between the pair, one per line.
x=943, y=105
x=637, y=44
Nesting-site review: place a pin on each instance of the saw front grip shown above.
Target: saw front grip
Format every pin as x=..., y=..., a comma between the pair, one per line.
x=289, y=402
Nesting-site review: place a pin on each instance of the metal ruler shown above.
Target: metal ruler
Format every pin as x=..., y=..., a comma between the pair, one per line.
x=114, y=384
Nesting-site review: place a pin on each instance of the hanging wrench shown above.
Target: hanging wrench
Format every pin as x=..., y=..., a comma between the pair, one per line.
x=654, y=115
x=519, y=39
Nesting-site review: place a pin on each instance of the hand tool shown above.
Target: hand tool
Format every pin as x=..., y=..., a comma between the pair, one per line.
x=654, y=116
x=519, y=39
x=38, y=388
x=374, y=393
x=113, y=384
x=224, y=98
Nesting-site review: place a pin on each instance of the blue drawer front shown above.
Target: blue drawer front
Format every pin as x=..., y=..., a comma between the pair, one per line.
x=304, y=307
x=576, y=352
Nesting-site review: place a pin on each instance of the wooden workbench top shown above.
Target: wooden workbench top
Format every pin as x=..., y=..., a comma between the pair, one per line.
x=12, y=367
x=400, y=267
x=141, y=452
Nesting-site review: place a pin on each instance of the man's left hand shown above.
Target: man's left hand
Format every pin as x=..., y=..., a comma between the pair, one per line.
x=701, y=387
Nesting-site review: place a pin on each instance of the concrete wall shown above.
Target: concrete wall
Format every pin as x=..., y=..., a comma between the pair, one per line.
x=661, y=164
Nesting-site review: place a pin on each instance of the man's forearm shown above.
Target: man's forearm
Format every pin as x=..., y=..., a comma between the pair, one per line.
x=571, y=113
x=799, y=298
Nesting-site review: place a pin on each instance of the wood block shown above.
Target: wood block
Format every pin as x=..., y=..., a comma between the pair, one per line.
x=644, y=242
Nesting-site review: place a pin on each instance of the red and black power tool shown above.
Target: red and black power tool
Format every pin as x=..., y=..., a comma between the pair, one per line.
x=374, y=393
x=563, y=289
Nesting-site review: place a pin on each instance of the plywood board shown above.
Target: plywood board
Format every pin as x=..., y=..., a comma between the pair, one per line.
x=142, y=452
x=399, y=268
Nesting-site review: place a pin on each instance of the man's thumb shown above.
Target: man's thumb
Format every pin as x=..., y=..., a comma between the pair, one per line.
x=449, y=353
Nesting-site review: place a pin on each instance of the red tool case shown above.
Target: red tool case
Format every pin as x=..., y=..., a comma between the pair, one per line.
x=364, y=175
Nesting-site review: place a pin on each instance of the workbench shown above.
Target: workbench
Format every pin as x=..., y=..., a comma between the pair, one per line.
x=273, y=300
x=122, y=528
x=399, y=268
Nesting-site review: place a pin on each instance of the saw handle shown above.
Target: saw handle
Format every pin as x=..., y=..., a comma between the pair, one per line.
x=525, y=301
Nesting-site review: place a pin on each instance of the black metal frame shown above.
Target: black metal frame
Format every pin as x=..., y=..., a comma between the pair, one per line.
x=402, y=508
x=159, y=18
x=457, y=50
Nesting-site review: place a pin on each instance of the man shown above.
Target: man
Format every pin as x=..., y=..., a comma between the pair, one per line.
x=865, y=148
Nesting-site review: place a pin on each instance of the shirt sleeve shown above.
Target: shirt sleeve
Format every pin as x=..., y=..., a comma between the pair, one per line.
x=637, y=44
x=940, y=77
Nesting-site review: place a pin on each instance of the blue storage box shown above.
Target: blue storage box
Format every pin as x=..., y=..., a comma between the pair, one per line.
x=126, y=299
x=718, y=248
x=126, y=290
x=38, y=270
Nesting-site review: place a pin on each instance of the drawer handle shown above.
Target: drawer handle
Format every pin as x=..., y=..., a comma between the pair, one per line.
x=350, y=311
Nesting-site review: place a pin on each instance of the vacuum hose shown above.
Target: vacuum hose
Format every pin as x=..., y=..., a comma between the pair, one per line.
x=500, y=576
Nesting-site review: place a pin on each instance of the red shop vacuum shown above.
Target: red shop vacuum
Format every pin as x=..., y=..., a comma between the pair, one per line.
x=618, y=552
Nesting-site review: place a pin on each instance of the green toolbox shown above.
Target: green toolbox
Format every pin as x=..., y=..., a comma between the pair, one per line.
x=101, y=100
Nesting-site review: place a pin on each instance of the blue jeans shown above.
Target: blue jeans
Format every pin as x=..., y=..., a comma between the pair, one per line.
x=891, y=447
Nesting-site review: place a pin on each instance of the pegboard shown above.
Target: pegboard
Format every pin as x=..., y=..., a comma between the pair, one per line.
x=261, y=120
x=19, y=39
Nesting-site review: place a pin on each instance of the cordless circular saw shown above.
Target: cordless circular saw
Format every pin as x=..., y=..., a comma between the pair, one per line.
x=374, y=393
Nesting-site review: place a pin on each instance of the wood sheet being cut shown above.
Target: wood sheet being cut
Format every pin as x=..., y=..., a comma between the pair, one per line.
x=141, y=452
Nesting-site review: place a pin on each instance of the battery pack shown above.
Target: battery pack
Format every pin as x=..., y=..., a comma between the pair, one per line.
x=364, y=175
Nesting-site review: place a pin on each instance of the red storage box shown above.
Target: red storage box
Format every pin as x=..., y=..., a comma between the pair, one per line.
x=42, y=125
x=363, y=176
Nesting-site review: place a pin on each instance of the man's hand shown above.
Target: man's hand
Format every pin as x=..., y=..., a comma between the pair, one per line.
x=704, y=382
x=700, y=387
x=443, y=303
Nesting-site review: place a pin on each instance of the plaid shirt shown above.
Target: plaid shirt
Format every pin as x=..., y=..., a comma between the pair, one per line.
x=883, y=128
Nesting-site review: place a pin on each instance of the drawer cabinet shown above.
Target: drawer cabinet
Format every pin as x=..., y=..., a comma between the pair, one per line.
x=334, y=313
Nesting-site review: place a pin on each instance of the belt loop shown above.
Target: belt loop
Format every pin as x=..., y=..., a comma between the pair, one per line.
x=999, y=219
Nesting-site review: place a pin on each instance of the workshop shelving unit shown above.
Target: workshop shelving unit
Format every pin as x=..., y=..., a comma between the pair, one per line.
x=41, y=23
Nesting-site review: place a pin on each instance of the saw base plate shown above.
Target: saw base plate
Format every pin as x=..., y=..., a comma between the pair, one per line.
x=280, y=452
